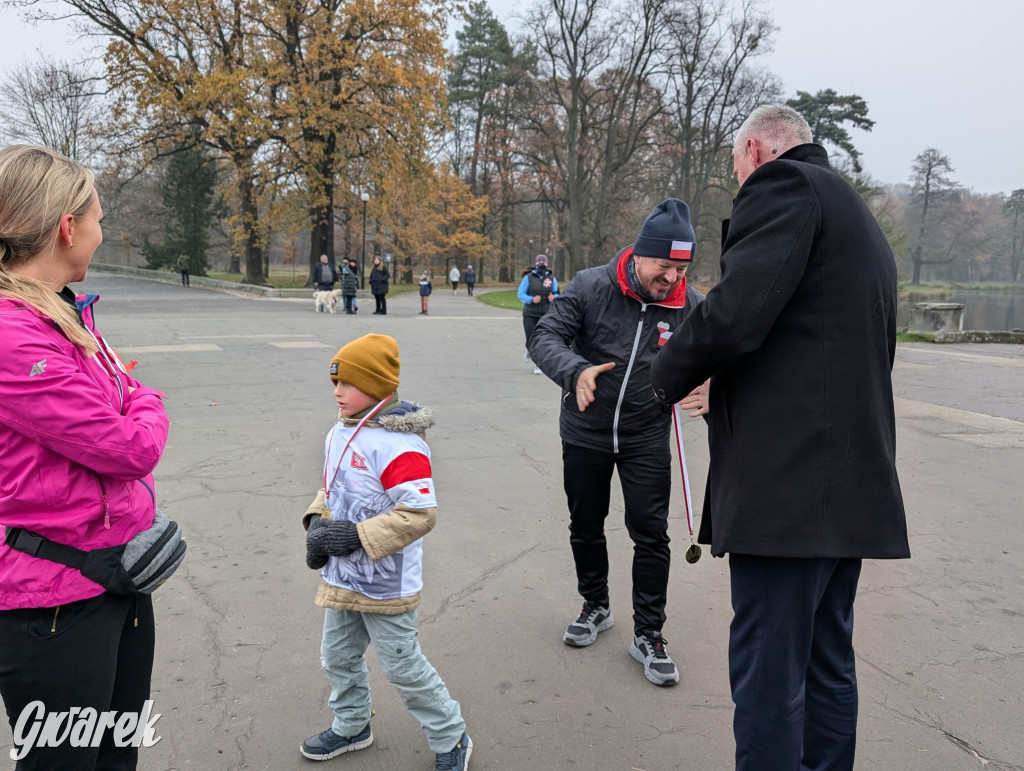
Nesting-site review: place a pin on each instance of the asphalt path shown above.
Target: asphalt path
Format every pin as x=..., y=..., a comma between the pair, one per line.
x=939, y=638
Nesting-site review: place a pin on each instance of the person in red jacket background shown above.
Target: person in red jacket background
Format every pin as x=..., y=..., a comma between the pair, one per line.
x=81, y=438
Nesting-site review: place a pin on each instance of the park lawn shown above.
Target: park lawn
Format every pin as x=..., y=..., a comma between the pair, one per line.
x=939, y=290
x=505, y=298
x=914, y=337
x=286, y=280
x=280, y=279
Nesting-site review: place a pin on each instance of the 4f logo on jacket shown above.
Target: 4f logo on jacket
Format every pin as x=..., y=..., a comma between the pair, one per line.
x=359, y=462
x=38, y=368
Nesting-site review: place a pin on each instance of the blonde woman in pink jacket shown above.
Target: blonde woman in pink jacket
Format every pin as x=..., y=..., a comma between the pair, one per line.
x=81, y=438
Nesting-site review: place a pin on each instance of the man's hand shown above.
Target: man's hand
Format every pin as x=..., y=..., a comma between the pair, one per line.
x=551, y=297
x=697, y=400
x=536, y=299
x=586, y=384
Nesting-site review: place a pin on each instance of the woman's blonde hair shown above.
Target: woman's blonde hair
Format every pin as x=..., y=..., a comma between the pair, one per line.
x=37, y=188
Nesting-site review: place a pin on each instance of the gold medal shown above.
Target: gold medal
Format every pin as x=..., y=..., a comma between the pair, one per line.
x=692, y=553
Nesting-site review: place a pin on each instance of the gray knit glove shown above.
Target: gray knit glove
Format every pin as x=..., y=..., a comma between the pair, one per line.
x=315, y=561
x=334, y=538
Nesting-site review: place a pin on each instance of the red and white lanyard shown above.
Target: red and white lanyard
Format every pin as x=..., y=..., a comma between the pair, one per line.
x=370, y=414
x=693, y=552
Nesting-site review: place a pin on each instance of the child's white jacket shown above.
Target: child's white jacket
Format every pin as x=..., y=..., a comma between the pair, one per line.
x=380, y=478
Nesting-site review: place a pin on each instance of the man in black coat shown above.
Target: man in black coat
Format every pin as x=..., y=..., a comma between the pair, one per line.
x=597, y=342
x=800, y=336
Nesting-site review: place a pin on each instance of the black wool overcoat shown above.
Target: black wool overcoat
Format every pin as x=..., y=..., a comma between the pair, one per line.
x=799, y=336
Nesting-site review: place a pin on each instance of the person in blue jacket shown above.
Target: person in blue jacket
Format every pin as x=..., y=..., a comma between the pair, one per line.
x=537, y=291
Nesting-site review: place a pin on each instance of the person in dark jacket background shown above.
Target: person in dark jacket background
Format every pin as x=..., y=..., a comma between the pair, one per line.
x=324, y=275
x=800, y=337
x=536, y=292
x=380, y=279
x=349, y=285
x=597, y=342
x=470, y=277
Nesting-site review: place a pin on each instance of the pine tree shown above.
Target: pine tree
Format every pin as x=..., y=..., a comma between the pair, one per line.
x=827, y=111
x=192, y=205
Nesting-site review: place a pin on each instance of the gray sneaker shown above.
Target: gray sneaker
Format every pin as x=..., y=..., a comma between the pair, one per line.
x=649, y=650
x=583, y=631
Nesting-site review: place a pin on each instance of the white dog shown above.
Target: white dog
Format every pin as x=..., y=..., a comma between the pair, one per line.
x=325, y=301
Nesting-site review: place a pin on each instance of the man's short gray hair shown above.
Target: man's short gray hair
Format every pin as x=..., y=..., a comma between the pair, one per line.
x=778, y=126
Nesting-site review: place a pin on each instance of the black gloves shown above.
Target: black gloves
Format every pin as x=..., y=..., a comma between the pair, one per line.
x=329, y=538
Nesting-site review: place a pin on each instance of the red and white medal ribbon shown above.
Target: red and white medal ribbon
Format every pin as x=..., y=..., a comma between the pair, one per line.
x=693, y=552
x=370, y=414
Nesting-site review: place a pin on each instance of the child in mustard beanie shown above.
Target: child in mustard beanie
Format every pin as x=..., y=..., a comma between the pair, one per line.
x=371, y=364
x=365, y=533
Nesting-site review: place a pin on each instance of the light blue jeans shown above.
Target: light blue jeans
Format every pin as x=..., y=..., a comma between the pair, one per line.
x=347, y=633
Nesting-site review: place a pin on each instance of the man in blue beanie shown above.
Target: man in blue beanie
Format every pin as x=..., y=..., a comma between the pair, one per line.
x=597, y=342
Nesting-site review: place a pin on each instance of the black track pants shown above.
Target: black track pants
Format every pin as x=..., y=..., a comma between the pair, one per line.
x=645, y=476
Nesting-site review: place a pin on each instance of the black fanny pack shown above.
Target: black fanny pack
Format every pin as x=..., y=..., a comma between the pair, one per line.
x=136, y=567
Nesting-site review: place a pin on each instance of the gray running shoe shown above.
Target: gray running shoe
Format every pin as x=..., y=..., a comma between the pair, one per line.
x=583, y=631
x=649, y=650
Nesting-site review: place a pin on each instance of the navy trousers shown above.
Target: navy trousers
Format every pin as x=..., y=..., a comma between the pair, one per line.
x=791, y=663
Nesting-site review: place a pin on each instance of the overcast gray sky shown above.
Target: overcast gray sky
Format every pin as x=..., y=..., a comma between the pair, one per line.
x=935, y=73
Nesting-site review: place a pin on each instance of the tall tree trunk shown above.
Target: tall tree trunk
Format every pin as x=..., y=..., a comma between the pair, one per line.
x=321, y=215
x=507, y=258
x=321, y=237
x=917, y=267
x=249, y=211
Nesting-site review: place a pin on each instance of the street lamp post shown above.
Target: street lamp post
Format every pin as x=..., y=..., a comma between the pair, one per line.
x=362, y=266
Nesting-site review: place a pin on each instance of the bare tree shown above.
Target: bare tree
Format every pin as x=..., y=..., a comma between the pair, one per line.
x=934, y=196
x=57, y=104
x=712, y=85
x=1013, y=209
x=597, y=108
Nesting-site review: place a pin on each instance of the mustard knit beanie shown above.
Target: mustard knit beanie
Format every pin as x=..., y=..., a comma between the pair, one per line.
x=370, y=364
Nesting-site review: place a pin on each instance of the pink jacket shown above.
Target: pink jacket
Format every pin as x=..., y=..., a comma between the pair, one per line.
x=77, y=452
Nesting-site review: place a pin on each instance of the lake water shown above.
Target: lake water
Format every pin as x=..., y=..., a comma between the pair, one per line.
x=982, y=310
